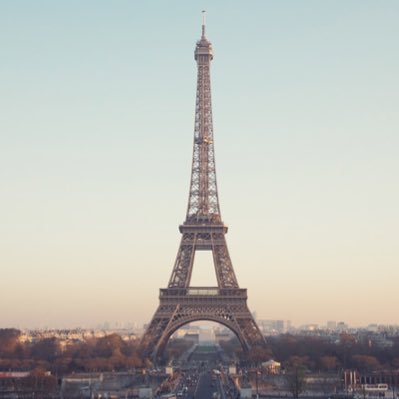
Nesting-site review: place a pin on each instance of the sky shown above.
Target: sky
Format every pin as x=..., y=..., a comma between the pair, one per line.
x=96, y=127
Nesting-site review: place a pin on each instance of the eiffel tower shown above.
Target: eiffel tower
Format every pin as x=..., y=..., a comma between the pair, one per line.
x=203, y=230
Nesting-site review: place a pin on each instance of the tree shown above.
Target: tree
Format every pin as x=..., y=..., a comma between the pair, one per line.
x=329, y=363
x=109, y=345
x=259, y=354
x=9, y=340
x=45, y=349
x=296, y=380
x=345, y=348
x=366, y=363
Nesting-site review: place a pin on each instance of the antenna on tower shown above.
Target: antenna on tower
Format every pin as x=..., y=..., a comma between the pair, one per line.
x=203, y=23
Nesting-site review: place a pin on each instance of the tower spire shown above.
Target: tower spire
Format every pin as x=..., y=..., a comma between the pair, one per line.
x=203, y=202
x=203, y=23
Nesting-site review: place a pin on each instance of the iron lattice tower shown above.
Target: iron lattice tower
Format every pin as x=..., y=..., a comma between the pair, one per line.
x=203, y=229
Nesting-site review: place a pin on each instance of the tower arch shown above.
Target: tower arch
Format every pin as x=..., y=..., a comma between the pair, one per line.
x=184, y=321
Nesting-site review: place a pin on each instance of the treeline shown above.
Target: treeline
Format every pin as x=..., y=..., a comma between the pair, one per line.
x=112, y=353
x=109, y=353
x=320, y=354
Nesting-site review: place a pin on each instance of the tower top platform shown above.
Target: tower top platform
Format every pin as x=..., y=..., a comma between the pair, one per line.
x=204, y=46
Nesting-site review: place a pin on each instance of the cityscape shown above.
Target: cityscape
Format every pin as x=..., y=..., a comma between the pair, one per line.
x=202, y=360
x=94, y=181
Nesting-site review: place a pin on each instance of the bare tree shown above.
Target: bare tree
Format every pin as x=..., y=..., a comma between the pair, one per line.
x=296, y=380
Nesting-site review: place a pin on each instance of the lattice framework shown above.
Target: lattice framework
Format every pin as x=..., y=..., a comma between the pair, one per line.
x=203, y=230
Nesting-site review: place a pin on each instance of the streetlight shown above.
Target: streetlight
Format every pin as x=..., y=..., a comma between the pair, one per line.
x=257, y=387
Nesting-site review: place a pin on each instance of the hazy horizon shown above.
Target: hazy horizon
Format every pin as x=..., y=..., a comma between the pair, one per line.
x=131, y=325
x=96, y=133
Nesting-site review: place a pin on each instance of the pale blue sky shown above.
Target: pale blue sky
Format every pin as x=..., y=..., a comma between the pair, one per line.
x=96, y=123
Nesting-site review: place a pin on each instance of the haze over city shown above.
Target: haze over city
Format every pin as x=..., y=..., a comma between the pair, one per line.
x=96, y=134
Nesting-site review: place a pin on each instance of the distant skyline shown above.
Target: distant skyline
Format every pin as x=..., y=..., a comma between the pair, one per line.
x=96, y=128
x=137, y=327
